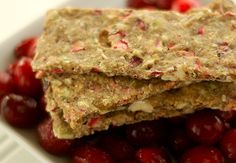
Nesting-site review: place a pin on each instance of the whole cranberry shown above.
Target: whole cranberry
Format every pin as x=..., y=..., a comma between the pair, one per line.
x=20, y=111
x=184, y=5
x=226, y=116
x=202, y=154
x=119, y=148
x=228, y=144
x=48, y=140
x=178, y=140
x=205, y=127
x=24, y=78
x=6, y=85
x=152, y=154
x=164, y=4
x=91, y=154
x=26, y=48
x=144, y=133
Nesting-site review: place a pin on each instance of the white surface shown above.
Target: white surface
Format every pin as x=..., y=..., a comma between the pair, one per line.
x=20, y=19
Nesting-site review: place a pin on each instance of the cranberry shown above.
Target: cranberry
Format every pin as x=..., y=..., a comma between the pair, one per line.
x=228, y=144
x=177, y=121
x=49, y=142
x=226, y=115
x=152, y=154
x=178, y=141
x=117, y=147
x=91, y=154
x=164, y=4
x=26, y=48
x=24, y=78
x=184, y=5
x=202, y=154
x=205, y=127
x=141, y=3
x=20, y=111
x=6, y=85
x=144, y=133
x=130, y=161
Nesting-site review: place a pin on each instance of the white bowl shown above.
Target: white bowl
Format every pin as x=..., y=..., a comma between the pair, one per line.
x=28, y=138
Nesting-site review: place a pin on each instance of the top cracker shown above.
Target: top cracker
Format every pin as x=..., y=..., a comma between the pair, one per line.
x=199, y=45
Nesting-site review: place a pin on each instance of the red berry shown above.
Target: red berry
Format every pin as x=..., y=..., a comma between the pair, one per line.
x=24, y=78
x=202, y=154
x=130, y=161
x=178, y=141
x=228, y=144
x=20, y=111
x=49, y=142
x=117, y=147
x=91, y=154
x=144, y=133
x=205, y=127
x=152, y=154
x=184, y=5
x=6, y=85
x=164, y=4
x=141, y=3
x=226, y=115
x=26, y=48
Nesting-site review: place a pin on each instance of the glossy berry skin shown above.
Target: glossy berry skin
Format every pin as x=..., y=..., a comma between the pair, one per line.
x=91, y=154
x=6, y=84
x=201, y=154
x=160, y=4
x=24, y=78
x=152, y=154
x=119, y=148
x=179, y=141
x=26, y=48
x=205, y=127
x=184, y=5
x=20, y=111
x=228, y=144
x=164, y=4
x=144, y=133
x=49, y=142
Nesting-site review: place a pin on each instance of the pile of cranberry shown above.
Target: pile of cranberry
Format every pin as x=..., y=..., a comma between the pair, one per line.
x=206, y=136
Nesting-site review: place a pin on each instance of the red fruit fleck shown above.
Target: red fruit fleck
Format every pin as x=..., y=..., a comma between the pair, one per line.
x=178, y=141
x=197, y=65
x=202, y=154
x=205, y=127
x=122, y=34
x=141, y=24
x=119, y=148
x=122, y=44
x=95, y=70
x=144, y=133
x=184, y=5
x=228, y=144
x=77, y=49
x=201, y=30
x=156, y=74
x=152, y=155
x=26, y=48
x=24, y=78
x=141, y=3
x=49, y=142
x=91, y=154
x=135, y=61
x=94, y=122
x=164, y=4
x=20, y=111
x=6, y=84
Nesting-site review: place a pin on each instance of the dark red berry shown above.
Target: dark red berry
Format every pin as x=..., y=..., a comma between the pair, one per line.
x=6, y=85
x=152, y=154
x=130, y=161
x=178, y=141
x=24, y=78
x=91, y=154
x=228, y=144
x=48, y=140
x=141, y=3
x=20, y=111
x=144, y=133
x=119, y=149
x=226, y=116
x=205, y=127
x=184, y=5
x=164, y=4
x=202, y=154
x=26, y=48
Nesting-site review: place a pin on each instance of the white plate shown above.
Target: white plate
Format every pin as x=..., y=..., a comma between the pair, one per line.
x=26, y=138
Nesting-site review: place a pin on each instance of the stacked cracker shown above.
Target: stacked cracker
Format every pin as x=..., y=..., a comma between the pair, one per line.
x=111, y=67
